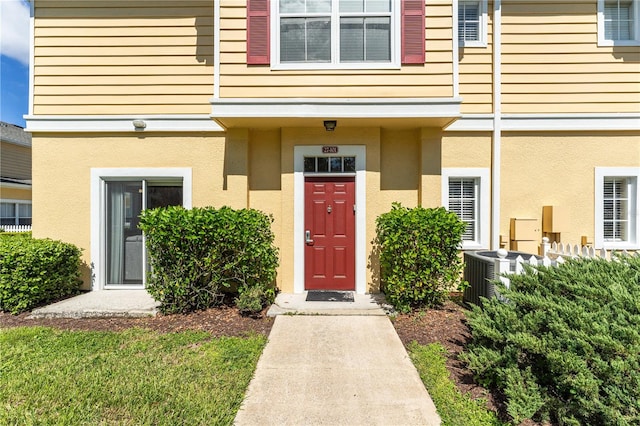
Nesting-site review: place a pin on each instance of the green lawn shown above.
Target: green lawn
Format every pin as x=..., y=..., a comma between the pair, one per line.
x=128, y=378
x=454, y=408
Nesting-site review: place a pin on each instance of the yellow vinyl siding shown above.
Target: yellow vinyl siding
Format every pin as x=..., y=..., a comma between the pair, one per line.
x=433, y=79
x=551, y=61
x=123, y=57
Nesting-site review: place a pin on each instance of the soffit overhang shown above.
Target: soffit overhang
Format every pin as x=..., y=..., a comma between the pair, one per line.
x=306, y=112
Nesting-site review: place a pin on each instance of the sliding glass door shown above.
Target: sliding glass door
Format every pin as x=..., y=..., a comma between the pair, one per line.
x=125, y=200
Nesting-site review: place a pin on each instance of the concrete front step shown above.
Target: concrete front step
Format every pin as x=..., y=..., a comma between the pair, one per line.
x=296, y=304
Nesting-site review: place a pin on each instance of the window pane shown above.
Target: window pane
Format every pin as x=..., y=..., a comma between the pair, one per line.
x=469, y=21
x=351, y=39
x=305, y=40
x=336, y=164
x=292, y=40
x=163, y=196
x=378, y=6
x=302, y=6
x=323, y=164
x=351, y=6
x=365, y=39
x=349, y=164
x=309, y=164
x=378, y=39
x=319, y=6
x=318, y=40
x=7, y=210
x=24, y=210
x=292, y=6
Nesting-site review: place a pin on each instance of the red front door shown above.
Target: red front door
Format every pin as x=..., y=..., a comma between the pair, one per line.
x=329, y=217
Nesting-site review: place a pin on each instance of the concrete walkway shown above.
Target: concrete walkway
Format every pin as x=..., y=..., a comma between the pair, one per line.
x=105, y=303
x=335, y=370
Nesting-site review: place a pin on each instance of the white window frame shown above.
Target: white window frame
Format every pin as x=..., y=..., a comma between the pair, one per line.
x=16, y=216
x=482, y=176
x=635, y=13
x=482, y=30
x=633, y=174
x=99, y=177
x=395, y=41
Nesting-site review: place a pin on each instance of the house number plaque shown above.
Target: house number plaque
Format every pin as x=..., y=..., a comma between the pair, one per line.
x=329, y=149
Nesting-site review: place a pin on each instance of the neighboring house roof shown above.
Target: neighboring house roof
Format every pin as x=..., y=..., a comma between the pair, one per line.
x=14, y=134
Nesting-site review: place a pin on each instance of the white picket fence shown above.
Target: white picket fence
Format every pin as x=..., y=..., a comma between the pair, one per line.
x=16, y=228
x=553, y=254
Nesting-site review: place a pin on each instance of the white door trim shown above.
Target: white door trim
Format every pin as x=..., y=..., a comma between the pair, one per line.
x=299, y=152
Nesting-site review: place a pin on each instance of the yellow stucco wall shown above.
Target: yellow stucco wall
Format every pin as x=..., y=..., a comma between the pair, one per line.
x=62, y=170
x=255, y=168
x=559, y=170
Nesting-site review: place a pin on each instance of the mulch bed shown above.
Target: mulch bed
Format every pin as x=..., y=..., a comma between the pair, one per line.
x=446, y=326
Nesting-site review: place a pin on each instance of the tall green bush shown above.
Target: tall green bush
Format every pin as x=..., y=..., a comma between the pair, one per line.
x=566, y=344
x=419, y=261
x=34, y=272
x=197, y=254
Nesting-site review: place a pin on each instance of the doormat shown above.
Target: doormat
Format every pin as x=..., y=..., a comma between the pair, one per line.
x=329, y=296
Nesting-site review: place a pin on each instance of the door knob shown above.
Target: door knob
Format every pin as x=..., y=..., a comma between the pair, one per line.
x=307, y=237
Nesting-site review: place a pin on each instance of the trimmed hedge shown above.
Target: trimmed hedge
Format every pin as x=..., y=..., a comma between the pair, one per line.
x=419, y=261
x=566, y=345
x=34, y=272
x=197, y=254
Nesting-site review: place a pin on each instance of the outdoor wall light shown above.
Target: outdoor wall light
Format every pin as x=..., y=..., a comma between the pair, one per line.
x=139, y=124
x=330, y=125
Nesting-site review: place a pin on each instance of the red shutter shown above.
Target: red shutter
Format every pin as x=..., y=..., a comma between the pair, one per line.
x=412, y=31
x=258, y=32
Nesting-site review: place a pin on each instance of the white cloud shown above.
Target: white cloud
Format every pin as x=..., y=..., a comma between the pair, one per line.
x=14, y=30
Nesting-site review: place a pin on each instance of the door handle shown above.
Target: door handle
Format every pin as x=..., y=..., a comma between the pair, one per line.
x=307, y=237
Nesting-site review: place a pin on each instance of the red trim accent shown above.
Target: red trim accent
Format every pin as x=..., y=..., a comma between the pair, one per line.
x=412, y=31
x=258, y=32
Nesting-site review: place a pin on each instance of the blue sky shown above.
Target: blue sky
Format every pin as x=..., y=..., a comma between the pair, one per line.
x=14, y=61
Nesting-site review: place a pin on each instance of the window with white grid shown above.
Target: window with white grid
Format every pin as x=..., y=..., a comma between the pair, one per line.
x=465, y=192
x=618, y=22
x=337, y=32
x=463, y=201
x=617, y=208
x=472, y=23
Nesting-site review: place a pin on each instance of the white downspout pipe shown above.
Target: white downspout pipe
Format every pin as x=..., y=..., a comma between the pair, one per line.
x=496, y=153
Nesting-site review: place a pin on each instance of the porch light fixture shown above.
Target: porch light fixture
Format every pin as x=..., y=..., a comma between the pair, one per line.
x=139, y=124
x=330, y=125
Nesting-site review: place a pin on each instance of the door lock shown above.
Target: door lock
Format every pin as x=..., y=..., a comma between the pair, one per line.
x=329, y=209
x=307, y=238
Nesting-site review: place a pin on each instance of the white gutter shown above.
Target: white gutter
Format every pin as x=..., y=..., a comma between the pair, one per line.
x=496, y=152
x=456, y=47
x=216, y=49
x=32, y=37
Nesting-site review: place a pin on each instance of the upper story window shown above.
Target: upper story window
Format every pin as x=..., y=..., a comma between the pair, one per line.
x=472, y=23
x=618, y=22
x=335, y=34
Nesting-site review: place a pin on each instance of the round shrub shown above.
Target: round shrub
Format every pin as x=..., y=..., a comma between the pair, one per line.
x=195, y=255
x=34, y=272
x=419, y=261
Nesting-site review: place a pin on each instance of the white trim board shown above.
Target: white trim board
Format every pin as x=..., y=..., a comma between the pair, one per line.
x=335, y=107
x=121, y=123
x=548, y=122
x=299, y=152
x=483, y=221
